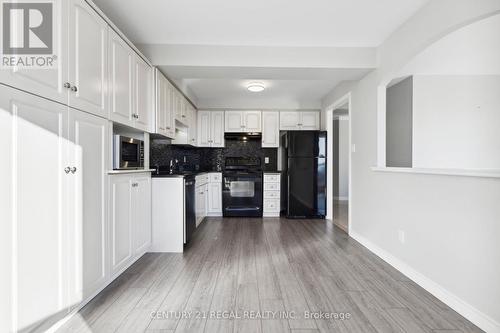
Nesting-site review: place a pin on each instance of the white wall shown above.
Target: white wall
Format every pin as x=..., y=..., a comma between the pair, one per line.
x=456, y=121
x=451, y=223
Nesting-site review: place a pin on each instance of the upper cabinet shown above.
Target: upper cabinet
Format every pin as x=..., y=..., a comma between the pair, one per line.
x=270, y=129
x=192, y=128
x=243, y=121
x=121, y=83
x=299, y=120
x=80, y=76
x=165, y=118
x=143, y=95
x=210, y=129
x=88, y=71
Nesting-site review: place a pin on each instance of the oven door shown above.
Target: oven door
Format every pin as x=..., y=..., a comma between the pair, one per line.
x=242, y=194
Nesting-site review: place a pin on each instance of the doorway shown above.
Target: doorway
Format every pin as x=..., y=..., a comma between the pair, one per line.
x=339, y=174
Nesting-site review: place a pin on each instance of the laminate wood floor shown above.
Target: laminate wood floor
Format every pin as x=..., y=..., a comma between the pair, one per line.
x=271, y=275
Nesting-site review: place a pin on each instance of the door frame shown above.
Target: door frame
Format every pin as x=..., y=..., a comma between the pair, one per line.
x=344, y=100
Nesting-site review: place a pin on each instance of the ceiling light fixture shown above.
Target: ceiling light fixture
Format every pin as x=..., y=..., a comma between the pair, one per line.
x=256, y=87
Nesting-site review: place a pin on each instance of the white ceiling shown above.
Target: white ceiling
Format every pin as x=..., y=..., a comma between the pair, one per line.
x=260, y=22
x=211, y=49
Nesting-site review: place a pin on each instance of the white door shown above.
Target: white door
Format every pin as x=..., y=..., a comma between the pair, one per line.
x=289, y=120
x=89, y=150
x=48, y=83
x=205, y=200
x=270, y=129
x=121, y=79
x=217, y=129
x=309, y=120
x=120, y=221
x=204, y=126
x=141, y=213
x=252, y=121
x=170, y=115
x=214, y=198
x=88, y=45
x=143, y=95
x=37, y=154
x=179, y=105
x=161, y=103
x=192, y=125
x=234, y=121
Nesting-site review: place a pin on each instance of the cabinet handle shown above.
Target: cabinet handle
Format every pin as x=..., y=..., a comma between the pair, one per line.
x=67, y=170
x=168, y=127
x=74, y=88
x=67, y=85
x=73, y=170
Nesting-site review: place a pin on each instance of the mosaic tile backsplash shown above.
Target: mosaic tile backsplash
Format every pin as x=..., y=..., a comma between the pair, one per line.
x=209, y=159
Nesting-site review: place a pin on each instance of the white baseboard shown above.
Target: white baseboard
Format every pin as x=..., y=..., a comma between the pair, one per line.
x=480, y=319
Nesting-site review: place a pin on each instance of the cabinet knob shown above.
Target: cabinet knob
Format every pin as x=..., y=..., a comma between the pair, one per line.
x=74, y=88
x=73, y=170
x=67, y=85
x=67, y=170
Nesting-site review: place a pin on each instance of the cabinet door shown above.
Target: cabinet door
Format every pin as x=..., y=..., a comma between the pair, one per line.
x=143, y=95
x=234, y=121
x=48, y=83
x=204, y=126
x=161, y=103
x=217, y=129
x=214, y=198
x=120, y=221
x=141, y=213
x=37, y=154
x=178, y=105
x=270, y=129
x=205, y=200
x=309, y=120
x=170, y=115
x=192, y=125
x=88, y=45
x=252, y=121
x=88, y=137
x=289, y=120
x=199, y=204
x=120, y=80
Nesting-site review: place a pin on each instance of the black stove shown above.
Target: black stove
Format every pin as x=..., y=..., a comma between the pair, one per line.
x=242, y=187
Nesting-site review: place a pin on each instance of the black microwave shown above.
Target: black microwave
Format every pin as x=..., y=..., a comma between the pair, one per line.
x=128, y=153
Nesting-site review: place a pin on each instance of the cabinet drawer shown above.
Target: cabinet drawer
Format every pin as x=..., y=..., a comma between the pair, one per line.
x=271, y=186
x=272, y=178
x=271, y=205
x=271, y=194
x=202, y=179
x=215, y=177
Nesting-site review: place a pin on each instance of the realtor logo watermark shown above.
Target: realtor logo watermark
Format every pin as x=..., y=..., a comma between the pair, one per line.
x=28, y=34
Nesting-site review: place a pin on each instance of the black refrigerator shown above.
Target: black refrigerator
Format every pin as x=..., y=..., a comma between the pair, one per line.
x=304, y=174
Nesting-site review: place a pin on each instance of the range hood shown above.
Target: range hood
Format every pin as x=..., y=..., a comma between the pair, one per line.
x=243, y=136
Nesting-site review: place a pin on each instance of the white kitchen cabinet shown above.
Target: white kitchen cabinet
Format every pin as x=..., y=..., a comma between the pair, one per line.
x=270, y=129
x=141, y=214
x=88, y=60
x=214, y=197
x=192, y=130
x=120, y=222
x=60, y=212
x=121, y=82
x=143, y=95
x=165, y=118
x=37, y=153
x=201, y=198
x=130, y=219
x=299, y=120
x=48, y=83
x=242, y=121
x=180, y=107
x=272, y=196
x=88, y=135
x=210, y=129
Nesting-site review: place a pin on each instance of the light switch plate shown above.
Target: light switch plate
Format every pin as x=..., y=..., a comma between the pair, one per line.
x=266, y=160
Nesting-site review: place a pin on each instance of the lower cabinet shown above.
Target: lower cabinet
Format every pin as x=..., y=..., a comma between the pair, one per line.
x=214, y=199
x=272, y=196
x=130, y=219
